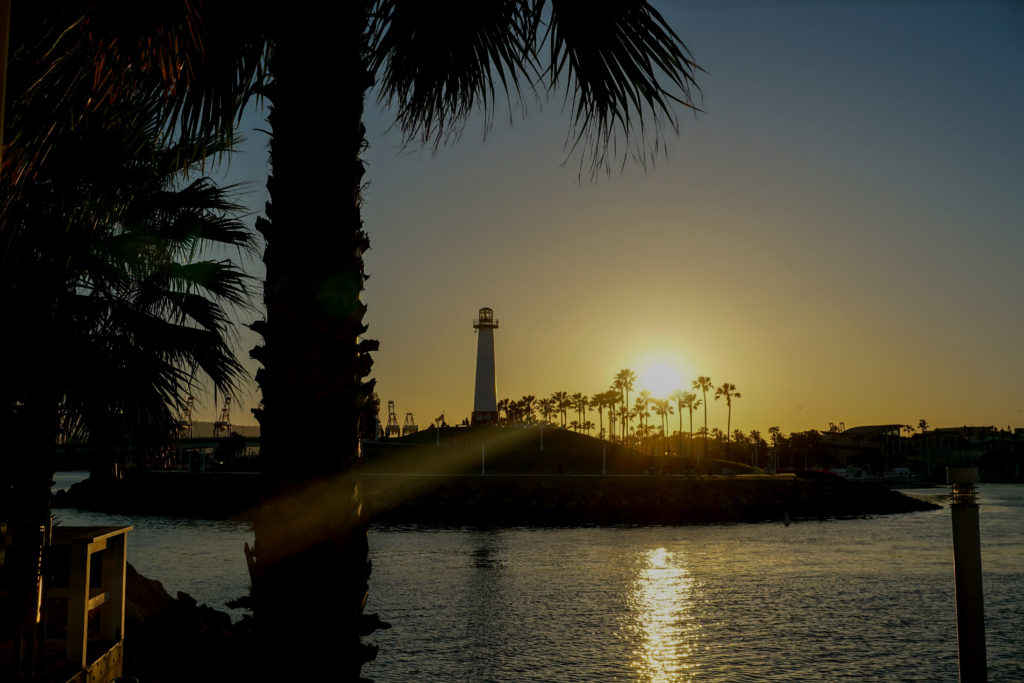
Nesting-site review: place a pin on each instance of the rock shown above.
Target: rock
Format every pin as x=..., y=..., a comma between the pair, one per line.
x=175, y=639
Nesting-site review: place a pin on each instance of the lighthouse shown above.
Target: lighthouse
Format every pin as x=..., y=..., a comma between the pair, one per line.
x=485, y=403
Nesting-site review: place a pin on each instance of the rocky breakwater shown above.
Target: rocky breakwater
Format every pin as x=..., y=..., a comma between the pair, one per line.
x=213, y=495
x=664, y=500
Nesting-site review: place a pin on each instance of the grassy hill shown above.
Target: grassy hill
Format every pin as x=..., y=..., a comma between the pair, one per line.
x=518, y=450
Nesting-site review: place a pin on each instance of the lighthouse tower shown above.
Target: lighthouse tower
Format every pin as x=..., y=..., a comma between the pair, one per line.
x=485, y=404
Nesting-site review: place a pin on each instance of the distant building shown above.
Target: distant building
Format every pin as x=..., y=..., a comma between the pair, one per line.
x=878, y=449
x=875, y=448
x=997, y=453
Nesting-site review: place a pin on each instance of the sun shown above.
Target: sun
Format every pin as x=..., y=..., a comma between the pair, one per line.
x=661, y=379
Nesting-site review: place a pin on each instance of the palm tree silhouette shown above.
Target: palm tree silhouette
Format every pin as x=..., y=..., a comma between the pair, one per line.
x=728, y=391
x=624, y=381
x=662, y=408
x=691, y=402
x=562, y=404
x=546, y=406
x=702, y=384
x=598, y=401
x=624, y=67
x=527, y=403
x=755, y=441
x=578, y=402
x=104, y=273
x=612, y=401
x=679, y=397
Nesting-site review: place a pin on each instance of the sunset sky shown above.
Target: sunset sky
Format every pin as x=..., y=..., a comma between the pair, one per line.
x=840, y=232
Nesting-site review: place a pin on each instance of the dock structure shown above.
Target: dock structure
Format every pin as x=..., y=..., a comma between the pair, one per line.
x=81, y=630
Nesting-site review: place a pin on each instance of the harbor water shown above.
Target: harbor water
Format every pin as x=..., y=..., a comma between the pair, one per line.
x=868, y=599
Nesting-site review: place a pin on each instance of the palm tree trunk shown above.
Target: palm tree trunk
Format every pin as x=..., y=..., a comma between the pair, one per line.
x=310, y=562
x=728, y=428
x=705, y=400
x=691, y=429
x=25, y=510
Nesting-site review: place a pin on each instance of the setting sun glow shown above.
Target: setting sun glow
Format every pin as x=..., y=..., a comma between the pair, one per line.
x=661, y=379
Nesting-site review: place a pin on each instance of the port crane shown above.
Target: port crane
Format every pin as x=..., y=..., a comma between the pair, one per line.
x=224, y=423
x=410, y=425
x=392, y=428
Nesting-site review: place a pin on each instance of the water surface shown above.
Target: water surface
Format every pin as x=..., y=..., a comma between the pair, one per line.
x=863, y=599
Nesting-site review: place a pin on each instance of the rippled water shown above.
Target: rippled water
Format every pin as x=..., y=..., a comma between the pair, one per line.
x=866, y=599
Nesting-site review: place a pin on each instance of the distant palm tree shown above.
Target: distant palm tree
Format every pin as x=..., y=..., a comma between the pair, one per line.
x=546, y=406
x=923, y=425
x=702, y=384
x=599, y=401
x=585, y=405
x=669, y=410
x=728, y=391
x=645, y=400
x=562, y=403
x=503, y=408
x=679, y=396
x=755, y=441
x=691, y=402
x=527, y=407
x=624, y=381
x=663, y=408
x=612, y=402
x=578, y=402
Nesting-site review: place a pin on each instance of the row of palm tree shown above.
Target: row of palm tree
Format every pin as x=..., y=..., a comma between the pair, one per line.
x=615, y=400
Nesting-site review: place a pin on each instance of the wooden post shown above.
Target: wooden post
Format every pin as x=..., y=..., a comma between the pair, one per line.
x=115, y=559
x=970, y=608
x=78, y=599
x=110, y=545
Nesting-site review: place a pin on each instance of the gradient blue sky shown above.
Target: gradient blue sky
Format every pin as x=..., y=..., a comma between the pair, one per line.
x=840, y=233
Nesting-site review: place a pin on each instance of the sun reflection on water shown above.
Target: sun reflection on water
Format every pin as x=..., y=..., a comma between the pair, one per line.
x=661, y=619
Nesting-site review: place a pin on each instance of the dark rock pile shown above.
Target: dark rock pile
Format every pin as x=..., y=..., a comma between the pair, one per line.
x=174, y=639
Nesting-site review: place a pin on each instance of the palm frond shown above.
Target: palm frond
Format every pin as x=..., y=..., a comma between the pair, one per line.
x=623, y=69
x=437, y=64
x=626, y=69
